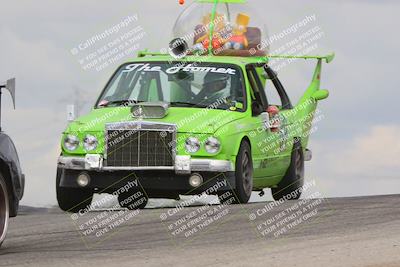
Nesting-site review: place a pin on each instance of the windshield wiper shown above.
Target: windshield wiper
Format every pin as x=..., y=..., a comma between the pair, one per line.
x=187, y=104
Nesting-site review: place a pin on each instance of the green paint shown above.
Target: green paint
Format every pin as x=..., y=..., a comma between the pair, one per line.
x=321, y=94
x=231, y=126
x=328, y=58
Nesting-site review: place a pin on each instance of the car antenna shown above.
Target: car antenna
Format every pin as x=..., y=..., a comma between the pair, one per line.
x=10, y=86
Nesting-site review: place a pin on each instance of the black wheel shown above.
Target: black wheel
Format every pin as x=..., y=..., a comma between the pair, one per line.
x=4, y=209
x=292, y=183
x=133, y=200
x=244, y=177
x=72, y=199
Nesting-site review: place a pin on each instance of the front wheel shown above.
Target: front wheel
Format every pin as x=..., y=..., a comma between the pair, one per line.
x=72, y=199
x=243, y=175
x=4, y=209
x=292, y=183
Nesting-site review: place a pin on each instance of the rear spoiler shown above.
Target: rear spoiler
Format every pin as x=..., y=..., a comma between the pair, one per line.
x=10, y=86
x=328, y=58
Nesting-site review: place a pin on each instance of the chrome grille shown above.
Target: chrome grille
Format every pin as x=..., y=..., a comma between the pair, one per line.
x=140, y=144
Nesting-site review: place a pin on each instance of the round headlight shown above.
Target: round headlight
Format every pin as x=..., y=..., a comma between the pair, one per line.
x=71, y=142
x=212, y=145
x=90, y=142
x=192, y=145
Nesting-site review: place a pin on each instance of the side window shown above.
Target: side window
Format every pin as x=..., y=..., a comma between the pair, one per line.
x=276, y=94
x=259, y=101
x=272, y=94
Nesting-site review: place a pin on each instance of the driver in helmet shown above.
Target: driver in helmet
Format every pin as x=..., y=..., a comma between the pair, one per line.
x=214, y=88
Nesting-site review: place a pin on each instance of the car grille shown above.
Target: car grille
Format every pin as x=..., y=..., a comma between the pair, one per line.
x=139, y=147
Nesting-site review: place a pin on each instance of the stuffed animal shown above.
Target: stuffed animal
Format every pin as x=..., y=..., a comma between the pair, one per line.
x=220, y=32
x=238, y=40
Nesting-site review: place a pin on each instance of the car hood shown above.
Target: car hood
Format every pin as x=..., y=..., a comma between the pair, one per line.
x=188, y=120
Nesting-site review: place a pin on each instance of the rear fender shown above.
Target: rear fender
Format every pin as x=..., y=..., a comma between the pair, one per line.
x=10, y=166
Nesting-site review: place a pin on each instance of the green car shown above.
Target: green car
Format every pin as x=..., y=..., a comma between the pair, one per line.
x=169, y=126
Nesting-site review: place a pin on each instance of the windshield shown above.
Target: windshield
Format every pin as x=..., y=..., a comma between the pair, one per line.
x=212, y=85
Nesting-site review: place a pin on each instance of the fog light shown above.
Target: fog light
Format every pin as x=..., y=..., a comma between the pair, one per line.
x=83, y=179
x=195, y=180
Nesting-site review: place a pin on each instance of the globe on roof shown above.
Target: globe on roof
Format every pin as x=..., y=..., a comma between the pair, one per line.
x=222, y=27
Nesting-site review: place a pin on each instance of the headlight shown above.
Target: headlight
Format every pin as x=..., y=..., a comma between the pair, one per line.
x=71, y=142
x=192, y=145
x=212, y=145
x=90, y=142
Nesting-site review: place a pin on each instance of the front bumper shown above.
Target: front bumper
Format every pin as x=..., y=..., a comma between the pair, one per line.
x=169, y=182
x=183, y=165
x=164, y=184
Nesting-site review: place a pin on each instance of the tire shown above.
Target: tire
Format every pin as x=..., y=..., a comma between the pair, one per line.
x=4, y=209
x=72, y=199
x=14, y=206
x=243, y=176
x=293, y=180
x=133, y=200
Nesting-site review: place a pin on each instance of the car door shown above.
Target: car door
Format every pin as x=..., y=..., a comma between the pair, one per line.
x=283, y=138
x=260, y=134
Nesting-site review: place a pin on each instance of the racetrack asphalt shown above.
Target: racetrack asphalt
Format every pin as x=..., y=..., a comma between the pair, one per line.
x=356, y=231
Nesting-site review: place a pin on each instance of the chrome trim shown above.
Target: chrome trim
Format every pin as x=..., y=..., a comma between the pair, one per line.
x=139, y=110
x=171, y=168
x=140, y=125
x=211, y=165
x=73, y=163
x=204, y=165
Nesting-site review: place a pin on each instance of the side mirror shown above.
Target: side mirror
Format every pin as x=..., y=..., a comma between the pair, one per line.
x=320, y=94
x=274, y=123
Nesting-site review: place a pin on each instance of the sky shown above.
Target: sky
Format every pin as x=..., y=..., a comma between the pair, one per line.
x=355, y=148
